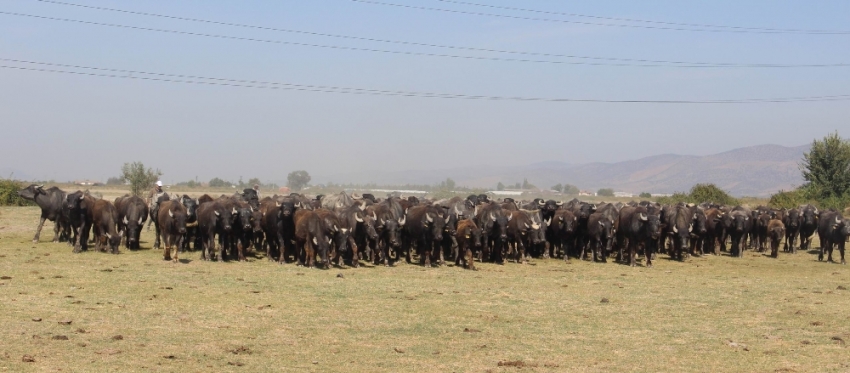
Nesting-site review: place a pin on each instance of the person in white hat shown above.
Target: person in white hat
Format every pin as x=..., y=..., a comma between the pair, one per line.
x=153, y=201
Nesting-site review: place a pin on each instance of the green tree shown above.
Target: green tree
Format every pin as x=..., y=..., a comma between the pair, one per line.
x=297, y=180
x=139, y=178
x=605, y=192
x=115, y=181
x=219, y=183
x=645, y=195
x=518, y=185
x=449, y=184
x=710, y=193
x=826, y=168
x=558, y=187
x=526, y=185
x=254, y=181
x=500, y=186
x=570, y=189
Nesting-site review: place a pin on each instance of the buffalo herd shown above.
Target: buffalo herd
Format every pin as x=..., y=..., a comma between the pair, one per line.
x=342, y=228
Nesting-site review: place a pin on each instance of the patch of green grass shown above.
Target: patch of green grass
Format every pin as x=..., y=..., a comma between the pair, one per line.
x=719, y=314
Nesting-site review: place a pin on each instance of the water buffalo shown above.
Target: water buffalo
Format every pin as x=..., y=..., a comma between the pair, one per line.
x=171, y=223
x=80, y=208
x=833, y=230
x=132, y=214
x=105, y=220
x=214, y=218
x=311, y=239
x=791, y=220
x=468, y=237
x=775, y=232
x=51, y=202
x=808, y=225
x=425, y=231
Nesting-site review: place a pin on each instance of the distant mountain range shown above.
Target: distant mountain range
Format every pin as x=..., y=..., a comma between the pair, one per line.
x=752, y=171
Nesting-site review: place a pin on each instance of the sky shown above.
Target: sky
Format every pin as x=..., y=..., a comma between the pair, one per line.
x=66, y=127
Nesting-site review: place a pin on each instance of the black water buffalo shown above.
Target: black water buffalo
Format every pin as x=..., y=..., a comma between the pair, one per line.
x=191, y=206
x=714, y=230
x=791, y=220
x=105, y=221
x=424, y=230
x=80, y=209
x=171, y=226
x=132, y=214
x=833, y=230
x=741, y=223
x=561, y=234
x=214, y=218
x=808, y=225
x=388, y=227
x=51, y=202
x=493, y=222
x=338, y=232
x=311, y=239
x=633, y=233
x=468, y=237
x=600, y=233
x=518, y=229
x=679, y=227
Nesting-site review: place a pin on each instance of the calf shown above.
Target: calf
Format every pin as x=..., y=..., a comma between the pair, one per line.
x=105, y=219
x=775, y=232
x=468, y=237
x=171, y=223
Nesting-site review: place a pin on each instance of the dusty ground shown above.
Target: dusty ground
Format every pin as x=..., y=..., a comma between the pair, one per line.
x=135, y=312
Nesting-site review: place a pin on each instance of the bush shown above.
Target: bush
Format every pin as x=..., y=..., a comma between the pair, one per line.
x=605, y=192
x=9, y=194
x=645, y=195
x=787, y=200
x=140, y=179
x=711, y=193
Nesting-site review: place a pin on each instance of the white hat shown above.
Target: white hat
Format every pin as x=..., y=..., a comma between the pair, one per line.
x=158, y=183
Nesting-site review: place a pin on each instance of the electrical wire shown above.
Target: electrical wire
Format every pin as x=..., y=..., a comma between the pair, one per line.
x=737, y=31
x=210, y=81
x=639, y=62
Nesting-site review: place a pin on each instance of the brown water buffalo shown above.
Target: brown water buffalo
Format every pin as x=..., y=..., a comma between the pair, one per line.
x=105, y=220
x=775, y=232
x=468, y=237
x=311, y=239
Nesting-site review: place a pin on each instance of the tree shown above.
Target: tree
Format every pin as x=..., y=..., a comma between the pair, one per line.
x=826, y=168
x=297, y=180
x=118, y=180
x=605, y=192
x=570, y=189
x=645, y=195
x=526, y=185
x=558, y=188
x=254, y=181
x=219, y=183
x=500, y=186
x=710, y=193
x=139, y=178
x=518, y=185
x=449, y=184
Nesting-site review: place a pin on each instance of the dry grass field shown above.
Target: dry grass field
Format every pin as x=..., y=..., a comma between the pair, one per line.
x=133, y=312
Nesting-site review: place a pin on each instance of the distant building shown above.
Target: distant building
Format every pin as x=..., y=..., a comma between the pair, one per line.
x=623, y=194
x=586, y=193
x=505, y=192
x=88, y=182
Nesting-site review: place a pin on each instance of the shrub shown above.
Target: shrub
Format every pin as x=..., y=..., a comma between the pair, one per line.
x=9, y=194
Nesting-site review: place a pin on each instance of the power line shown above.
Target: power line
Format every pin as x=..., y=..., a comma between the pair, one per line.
x=641, y=62
x=424, y=54
x=776, y=30
x=200, y=80
x=665, y=28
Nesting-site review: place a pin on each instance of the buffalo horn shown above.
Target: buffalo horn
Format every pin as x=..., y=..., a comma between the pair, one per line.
x=837, y=221
x=429, y=218
x=336, y=229
x=217, y=213
x=402, y=220
x=140, y=219
x=549, y=222
x=510, y=216
x=234, y=212
x=375, y=217
x=358, y=218
x=108, y=235
x=541, y=203
x=559, y=203
x=643, y=217
x=492, y=217
x=126, y=221
x=277, y=204
x=170, y=213
x=315, y=241
x=675, y=229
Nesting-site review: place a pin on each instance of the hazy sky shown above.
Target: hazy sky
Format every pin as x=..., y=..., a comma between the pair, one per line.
x=74, y=127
